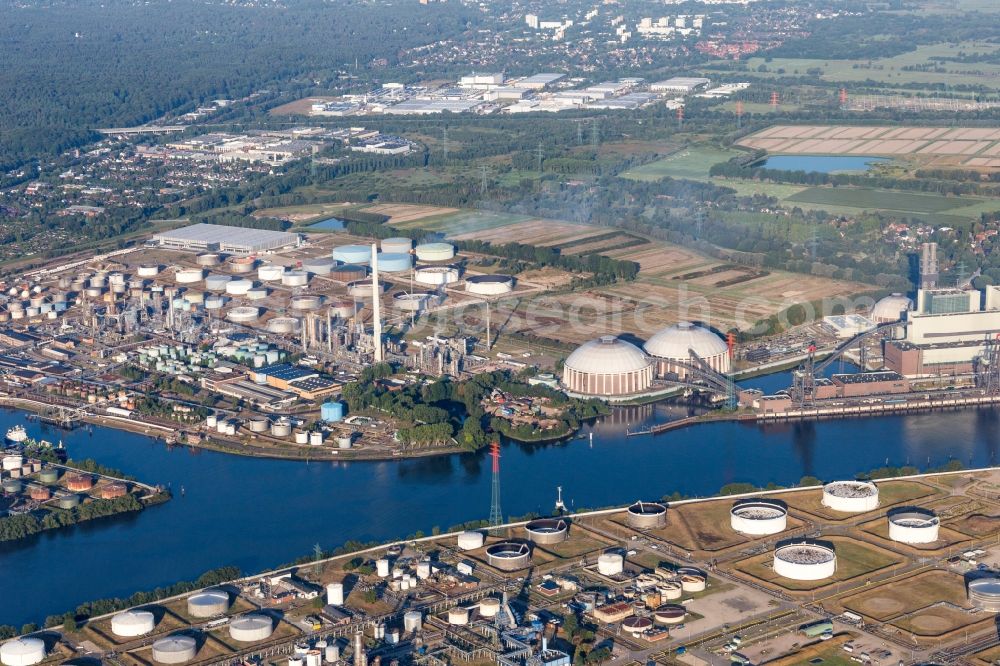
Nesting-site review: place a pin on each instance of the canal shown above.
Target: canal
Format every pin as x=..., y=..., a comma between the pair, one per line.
x=257, y=514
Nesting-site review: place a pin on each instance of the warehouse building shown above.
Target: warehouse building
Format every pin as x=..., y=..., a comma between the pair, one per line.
x=222, y=238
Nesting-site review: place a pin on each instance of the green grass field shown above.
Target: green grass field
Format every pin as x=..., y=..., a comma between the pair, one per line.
x=691, y=163
x=464, y=222
x=871, y=199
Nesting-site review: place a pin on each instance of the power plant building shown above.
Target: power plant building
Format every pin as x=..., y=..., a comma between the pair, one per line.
x=941, y=344
x=608, y=366
x=222, y=238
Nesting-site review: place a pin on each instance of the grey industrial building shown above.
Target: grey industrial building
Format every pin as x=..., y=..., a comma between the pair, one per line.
x=221, y=238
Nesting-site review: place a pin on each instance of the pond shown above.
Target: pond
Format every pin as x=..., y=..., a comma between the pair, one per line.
x=823, y=163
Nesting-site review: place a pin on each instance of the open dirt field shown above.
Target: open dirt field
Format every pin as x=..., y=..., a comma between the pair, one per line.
x=299, y=107
x=908, y=595
x=938, y=620
x=901, y=141
x=402, y=213
x=534, y=232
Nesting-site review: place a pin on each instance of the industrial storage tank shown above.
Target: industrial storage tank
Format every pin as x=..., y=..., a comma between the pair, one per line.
x=850, y=496
x=412, y=620
x=545, y=531
x=22, y=651
x=295, y=278
x=435, y=252
x=214, y=302
x=251, y=628
x=608, y=366
x=393, y=262
x=363, y=289
x=270, y=272
x=397, y=245
x=610, y=564
x=256, y=293
x=414, y=302
x=175, y=649
x=208, y=603
x=48, y=475
x=509, y=555
x=352, y=254
x=208, y=259
x=805, y=560
x=194, y=297
x=891, y=309
x=348, y=273
x=470, y=540
x=458, y=616
x=436, y=276
x=241, y=265
x=12, y=486
x=68, y=501
x=305, y=302
x=281, y=429
x=243, y=314
x=670, y=614
x=332, y=411
x=133, y=623
x=216, y=282
x=146, y=270
x=187, y=275
x=692, y=580
x=984, y=593
x=335, y=594
x=238, y=287
x=283, y=325
x=759, y=517
x=636, y=625
x=673, y=346
x=646, y=515
x=343, y=307
x=258, y=424
x=489, y=285
x=911, y=524
x=671, y=590
x=318, y=266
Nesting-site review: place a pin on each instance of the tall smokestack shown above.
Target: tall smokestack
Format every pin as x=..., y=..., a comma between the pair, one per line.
x=360, y=658
x=376, y=307
x=928, y=266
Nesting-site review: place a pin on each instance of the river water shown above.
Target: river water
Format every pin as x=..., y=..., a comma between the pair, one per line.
x=258, y=514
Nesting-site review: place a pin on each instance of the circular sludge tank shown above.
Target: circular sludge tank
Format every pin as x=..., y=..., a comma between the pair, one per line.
x=435, y=252
x=148, y=270
x=436, y=276
x=394, y=262
x=256, y=293
x=610, y=564
x=238, y=287
x=216, y=282
x=671, y=590
x=243, y=314
x=458, y=616
x=132, y=623
x=673, y=345
x=398, y=245
x=208, y=259
x=175, y=649
x=241, y=265
x=348, y=273
x=911, y=524
x=283, y=325
x=352, y=254
x=545, y=531
x=470, y=540
x=270, y=272
x=806, y=560
x=305, y=302
x=646, y=515
x=489, y=607
x=692, y=579
x=318, y=266
x=208, y=603
x=891, y=309
x=251, y=628
x=412, y=620
x=188, y=275
x=984, y=593
x=414, y=302
x=509, y=555
x=851, y=496
x=258, y=424
x=607, y=366
x=489, y=285
x=636, y=625
x=22, y=651
x=670, y=614
x=759, y=517
x=295, y=278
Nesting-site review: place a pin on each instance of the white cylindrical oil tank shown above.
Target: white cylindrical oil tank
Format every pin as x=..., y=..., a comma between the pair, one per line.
x=175, y=649
x=315, y=438
x=208, y=603
x=295, y=279
x=646, y=515
x=335, y=594
x=331, y=653
x=382, y=567
x=258, y=424
x=283, y=325
x=208, y=259
x=412, y=302
x=353, y=254
x=424, y=569
x=301, y=437
x=216, y=282
x=671, y=590
x=489, y=607
x=22, y=651
x=133, y=623
x=805, y=561
x=241, y=265
x=851, y=496
x=238, y=287
x=345, y=308
x=470, y=540
x=669, y=614
x=391, y=262
x=281, y=429
x=458, y=616
x=189, y=275
x=314, y=658
x=436, y=276
x=211, y=421
x=489, y=285
x=318, y=266
x=362, y=289
x=214, y=302
x=610, y=564
x=912, y=524
x=251, y=628
x=435, y=252
x=148, y=270
x=305, y=302
x=270, y=272
x=257, y=293
x=398, y=245
x=413, y=620
x=692, y=580
x=243, y=314
x=758, y=517
x=194, y=297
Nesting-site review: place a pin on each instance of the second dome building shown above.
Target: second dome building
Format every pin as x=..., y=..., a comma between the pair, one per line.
x=674, y=344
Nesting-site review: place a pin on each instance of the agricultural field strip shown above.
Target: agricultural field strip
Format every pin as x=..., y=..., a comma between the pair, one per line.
x=853, y=140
